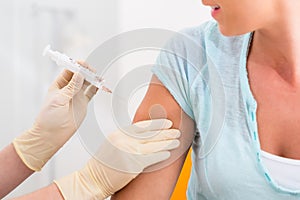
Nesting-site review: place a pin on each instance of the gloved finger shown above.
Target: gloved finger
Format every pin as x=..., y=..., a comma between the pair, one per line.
x=90, y=91
x=154, y=158
x=87, y=66
x=150, y=125
x=66, y=76
x=160, y=135
x=158, y=146
x=73, y=87
x=62, y=79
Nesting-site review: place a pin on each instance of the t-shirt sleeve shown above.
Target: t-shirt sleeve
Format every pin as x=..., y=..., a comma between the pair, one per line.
x=172, y=69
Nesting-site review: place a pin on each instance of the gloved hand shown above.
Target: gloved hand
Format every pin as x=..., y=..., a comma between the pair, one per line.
x=120, y=159
x=67, y=97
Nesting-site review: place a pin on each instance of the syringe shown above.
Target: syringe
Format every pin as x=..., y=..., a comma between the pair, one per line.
x=67, y=62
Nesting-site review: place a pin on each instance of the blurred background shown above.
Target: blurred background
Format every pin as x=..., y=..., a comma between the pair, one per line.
x=76, y=28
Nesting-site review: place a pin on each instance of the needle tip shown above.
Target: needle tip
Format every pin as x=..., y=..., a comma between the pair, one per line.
x=105, y=89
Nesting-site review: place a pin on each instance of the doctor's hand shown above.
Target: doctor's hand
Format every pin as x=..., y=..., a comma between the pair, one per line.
x=123, y=156
x=62, y=113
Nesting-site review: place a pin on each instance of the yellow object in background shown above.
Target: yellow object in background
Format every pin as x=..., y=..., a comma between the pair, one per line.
x=181, y=186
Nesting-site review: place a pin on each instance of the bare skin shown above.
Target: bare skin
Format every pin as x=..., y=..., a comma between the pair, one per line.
x=13, y=172
x=277, y=92
x=274, y=76
x=160, y=184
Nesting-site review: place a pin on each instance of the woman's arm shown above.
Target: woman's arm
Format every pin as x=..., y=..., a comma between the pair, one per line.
x=13, y=170
x=158, y=103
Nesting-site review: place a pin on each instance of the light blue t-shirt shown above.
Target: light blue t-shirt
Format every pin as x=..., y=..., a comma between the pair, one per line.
x=206, y=73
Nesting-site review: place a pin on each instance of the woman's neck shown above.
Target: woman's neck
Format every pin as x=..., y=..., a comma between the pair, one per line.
x=278, y=45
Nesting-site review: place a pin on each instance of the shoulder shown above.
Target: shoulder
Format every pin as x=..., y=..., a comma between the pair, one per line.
x=189, y=35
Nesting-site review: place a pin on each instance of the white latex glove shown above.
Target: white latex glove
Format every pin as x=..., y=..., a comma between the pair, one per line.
x=67, y=97
x=112, y=168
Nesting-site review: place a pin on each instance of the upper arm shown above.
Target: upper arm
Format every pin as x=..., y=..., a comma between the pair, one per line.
x=159, y=184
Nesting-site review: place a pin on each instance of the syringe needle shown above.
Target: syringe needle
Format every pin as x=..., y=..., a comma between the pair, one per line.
x=106, y=89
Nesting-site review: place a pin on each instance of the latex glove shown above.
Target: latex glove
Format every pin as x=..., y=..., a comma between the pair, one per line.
x=112, y=168
x=67, y=97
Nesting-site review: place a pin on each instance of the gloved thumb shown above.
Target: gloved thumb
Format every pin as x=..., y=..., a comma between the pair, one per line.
x=74, y=86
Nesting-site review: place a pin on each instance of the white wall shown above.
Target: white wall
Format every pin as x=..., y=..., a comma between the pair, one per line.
x=75, y=27
x=167, y=14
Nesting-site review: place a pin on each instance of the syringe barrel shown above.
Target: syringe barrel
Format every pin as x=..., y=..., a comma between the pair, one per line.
x=67, y=62
x=91, y=77
x=64, y=61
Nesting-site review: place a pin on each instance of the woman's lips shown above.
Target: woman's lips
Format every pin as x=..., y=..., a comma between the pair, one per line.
x=215, y=10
